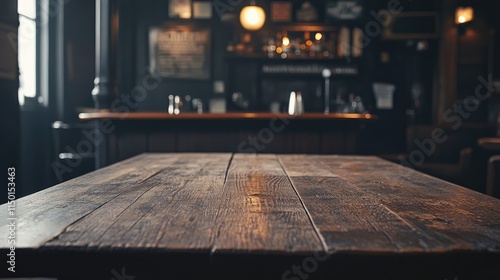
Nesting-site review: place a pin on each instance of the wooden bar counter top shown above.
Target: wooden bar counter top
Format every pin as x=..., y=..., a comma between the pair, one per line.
x=131, y=133
x=218, y=116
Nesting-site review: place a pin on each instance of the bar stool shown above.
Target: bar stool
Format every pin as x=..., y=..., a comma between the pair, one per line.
x=493, y=170
x=70, y=163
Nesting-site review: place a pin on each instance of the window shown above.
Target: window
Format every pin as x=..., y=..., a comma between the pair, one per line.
x=27, y=47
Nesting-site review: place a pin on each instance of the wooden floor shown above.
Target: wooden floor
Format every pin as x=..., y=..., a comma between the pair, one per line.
x=239, y=216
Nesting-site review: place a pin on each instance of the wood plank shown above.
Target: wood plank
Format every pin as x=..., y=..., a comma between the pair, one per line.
x=43, y=215
x=112, y=147
x=333, y=143
x=262, y=140
x=306, y=142
x=454, y=217
x=162, y=142
x=351, y=142
x=183, y=196
x=131, y=144
x=207, y=141
x=188, y=222
x=203, y=204
x=281, y=142
x=349, y=218
x=260, y=212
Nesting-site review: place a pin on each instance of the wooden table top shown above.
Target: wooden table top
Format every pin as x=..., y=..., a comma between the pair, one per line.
x=250, y=216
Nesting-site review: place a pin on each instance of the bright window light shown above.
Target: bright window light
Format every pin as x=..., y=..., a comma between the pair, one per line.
x=27, y=49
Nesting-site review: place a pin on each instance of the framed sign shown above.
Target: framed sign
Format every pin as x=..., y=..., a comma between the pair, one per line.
x=281, y=11
x=180, y=51
x=202, y=9
x=179, y=8
x=412, y=25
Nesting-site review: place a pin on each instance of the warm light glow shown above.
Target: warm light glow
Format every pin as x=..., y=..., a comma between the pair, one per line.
x=464, y=14
x=286, y=41
x=185, y=15
x=279, y=50
x=252, y=17
x=318, y=36
x=309, y=43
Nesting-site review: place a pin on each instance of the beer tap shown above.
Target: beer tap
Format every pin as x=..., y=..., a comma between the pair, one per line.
x=326, y=73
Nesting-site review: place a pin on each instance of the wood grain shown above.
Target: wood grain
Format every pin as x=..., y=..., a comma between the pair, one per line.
x=256, y=216
x=166, y=204
x=348, y=218
x=249, y=210
x=260, y=211
x=45, y=214
x=131, y=144
x=415, y=212
x=162, y=142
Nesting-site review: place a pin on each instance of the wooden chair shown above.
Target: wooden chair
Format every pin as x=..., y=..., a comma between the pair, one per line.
x=458, y=173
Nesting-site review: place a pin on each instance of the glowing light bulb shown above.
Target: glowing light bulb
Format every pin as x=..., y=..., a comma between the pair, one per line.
x=286, y=41
x=464, y=14
x=252, y=17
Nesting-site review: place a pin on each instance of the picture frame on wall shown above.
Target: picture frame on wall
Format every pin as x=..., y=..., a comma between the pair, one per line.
x=281, y=11
x=180, y=51
x=412, y=25
x=202, y=9
x=179, y=9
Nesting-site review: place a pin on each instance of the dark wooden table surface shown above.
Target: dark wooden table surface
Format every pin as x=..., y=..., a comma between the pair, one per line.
x=247, y=216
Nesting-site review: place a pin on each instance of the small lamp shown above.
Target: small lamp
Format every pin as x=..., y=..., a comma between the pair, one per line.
x=463, y=17
x=252, y=17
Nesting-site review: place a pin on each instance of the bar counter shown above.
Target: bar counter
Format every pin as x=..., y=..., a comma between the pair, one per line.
x=220, y=116
x=130, y=133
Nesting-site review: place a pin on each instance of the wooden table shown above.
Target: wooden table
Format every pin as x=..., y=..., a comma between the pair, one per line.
x=247, y=216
